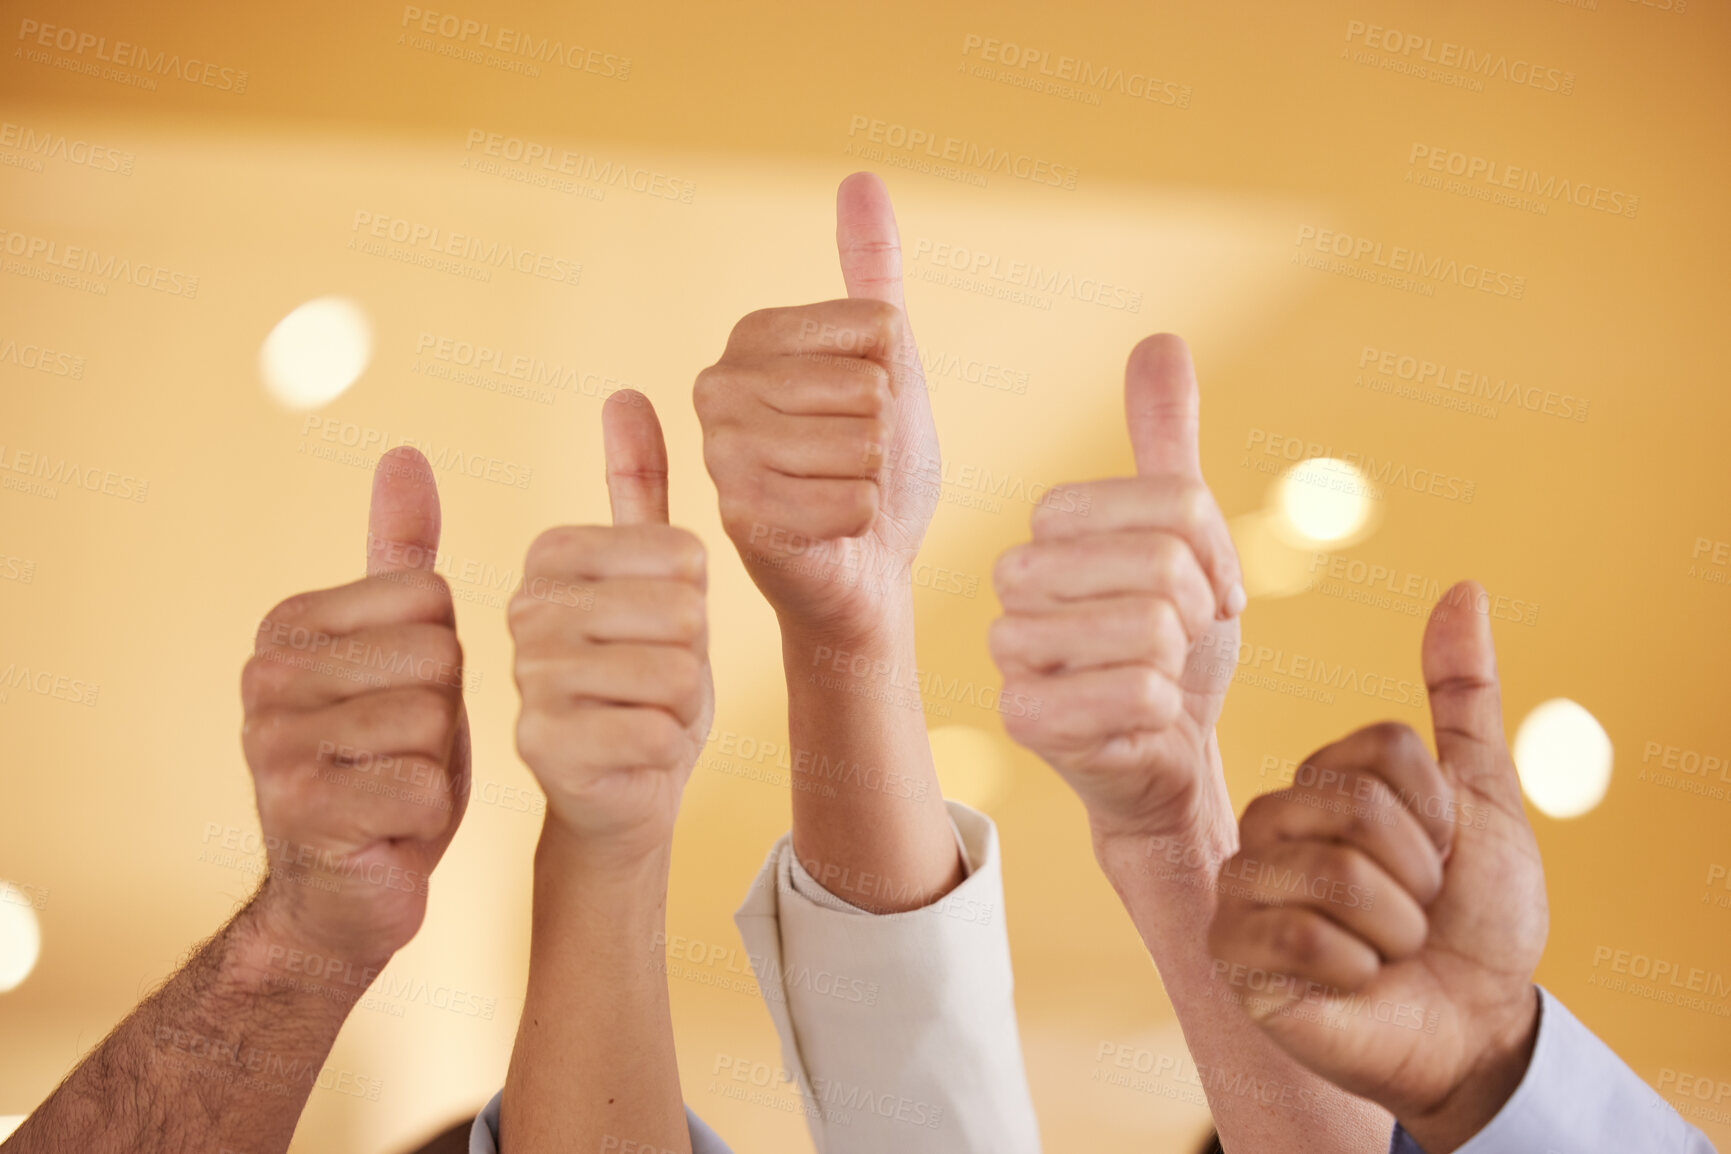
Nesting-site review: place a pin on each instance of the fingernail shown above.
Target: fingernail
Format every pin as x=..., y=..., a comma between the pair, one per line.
x=1236, y=600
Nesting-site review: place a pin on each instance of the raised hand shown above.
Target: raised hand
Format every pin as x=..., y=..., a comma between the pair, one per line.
x=818, y=432
x=1385, y=914
x=1121, y=620
x=613, y=666
x=612, y=652
x=357, y=737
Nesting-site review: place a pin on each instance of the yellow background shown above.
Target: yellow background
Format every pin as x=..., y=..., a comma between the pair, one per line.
x=107, y=810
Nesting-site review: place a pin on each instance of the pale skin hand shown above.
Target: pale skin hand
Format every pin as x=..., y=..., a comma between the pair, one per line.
x=1121, y=621
x=818, y=433
x=1450, y=942
x=344, y=684
x=612, y=663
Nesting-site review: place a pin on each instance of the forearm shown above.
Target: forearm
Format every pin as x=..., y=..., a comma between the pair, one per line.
x=869, y=821
x=223, y=1056
x=1261, y=1099
x=594, y=1057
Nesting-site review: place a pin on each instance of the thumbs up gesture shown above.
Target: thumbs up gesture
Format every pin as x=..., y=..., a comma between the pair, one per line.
x=818, y=432
x=1384, y=916
x=612, y=653
x=1120, y=621
x=357, y=738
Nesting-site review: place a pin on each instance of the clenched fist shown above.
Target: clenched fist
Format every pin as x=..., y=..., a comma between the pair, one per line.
x=612, y=653
x=1385, y=914
x=818, y=432
x=1121, y=620
x=357, y=738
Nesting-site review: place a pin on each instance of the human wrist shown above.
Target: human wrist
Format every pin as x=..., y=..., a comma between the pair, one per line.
x=1181, y=845
x=609, y=864
x=878, y=627
x=263, y=952
x=1486, y=1086
x=271, y=941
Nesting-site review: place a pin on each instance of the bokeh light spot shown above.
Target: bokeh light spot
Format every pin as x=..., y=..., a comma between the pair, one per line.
x=1324, y=499
x=20, y=937
x=1563, y=755
x=316, y=352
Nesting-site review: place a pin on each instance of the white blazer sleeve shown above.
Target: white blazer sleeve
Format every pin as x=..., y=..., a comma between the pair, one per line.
x=1578, y=1096
x=899, y=1029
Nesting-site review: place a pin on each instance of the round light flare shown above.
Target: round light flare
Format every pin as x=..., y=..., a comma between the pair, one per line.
x=971, y=764
x=1324, y=500
x=20, y=937
x=316, y=352
x=1563, y=756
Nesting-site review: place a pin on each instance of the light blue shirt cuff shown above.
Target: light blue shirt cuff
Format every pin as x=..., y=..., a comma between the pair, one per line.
x=1577, y=1096
x=484, y=1134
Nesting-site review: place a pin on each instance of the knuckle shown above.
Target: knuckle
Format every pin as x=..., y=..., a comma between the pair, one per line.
x=661, y=740
x=1195, y=506
x=1396, y=739
x=261, y=680
x=1260, y=817
x=292, y=608
x=1003, y=637
x=429, y=718
x=1296, y=937
x=753, y=324
x=546, y=548
x=1010, y=570
x=684, y=674
x=271, y=737
x=858, y=508
x=1157, y=618
x=686, y=613
x=873, y=384
x=687, y=552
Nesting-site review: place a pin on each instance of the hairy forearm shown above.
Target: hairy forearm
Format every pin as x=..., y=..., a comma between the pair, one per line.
x=868, y=817
x=594, y=1057
x=1262, y=1100
x=222, y=1056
